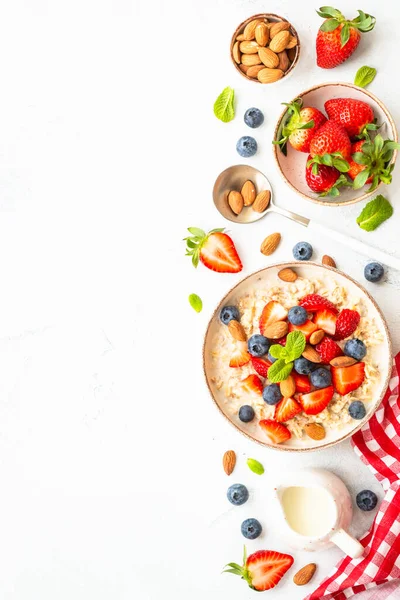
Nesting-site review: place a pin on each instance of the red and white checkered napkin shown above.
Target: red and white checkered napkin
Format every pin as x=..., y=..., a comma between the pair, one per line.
x=378, y=570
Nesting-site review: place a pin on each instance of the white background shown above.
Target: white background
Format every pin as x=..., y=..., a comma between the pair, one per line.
x=110, y=447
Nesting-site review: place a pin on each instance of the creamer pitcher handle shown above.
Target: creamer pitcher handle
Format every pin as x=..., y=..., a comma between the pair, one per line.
x=348, y=544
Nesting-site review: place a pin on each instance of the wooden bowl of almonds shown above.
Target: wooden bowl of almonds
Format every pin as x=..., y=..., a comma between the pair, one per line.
x=265, y=48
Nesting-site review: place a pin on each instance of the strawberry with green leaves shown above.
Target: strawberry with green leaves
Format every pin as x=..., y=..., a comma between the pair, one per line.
x=337, y=37
x=301, y=126
x=215, y=250
x=262, y=570
x=325, y=179
x=331, y=138
x=371, y=162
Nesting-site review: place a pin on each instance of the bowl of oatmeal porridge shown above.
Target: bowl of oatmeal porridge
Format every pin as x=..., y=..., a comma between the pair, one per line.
x=334, y=387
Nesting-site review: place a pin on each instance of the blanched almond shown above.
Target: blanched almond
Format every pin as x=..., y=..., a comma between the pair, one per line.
x=270, y=244
x=250, y=29
x=262, y=200
x=235, y=201
x=269, y=75
x=248, y=47
x=316, y=337
x=268, y=58
x=311, y=354
x=287, y=275
x=280, y=41
x=250, y=59
x=248, y=192
x=278, y=27
x=262, y=34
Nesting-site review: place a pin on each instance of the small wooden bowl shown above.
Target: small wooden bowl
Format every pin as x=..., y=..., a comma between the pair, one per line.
x=271, y=18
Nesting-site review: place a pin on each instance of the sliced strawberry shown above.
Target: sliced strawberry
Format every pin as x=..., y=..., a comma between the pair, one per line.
x=326, y=320
x=263, y=569
x=314, y=302
x=261, y=365
x=253, y=383
x=328, y=350
x=346, y=324
x=315, y=402
x=347, y=379
x=286, y=409
x=308, y=328
x=240, y=355
x=276, y=432
x=302, y=382
x=272, y=312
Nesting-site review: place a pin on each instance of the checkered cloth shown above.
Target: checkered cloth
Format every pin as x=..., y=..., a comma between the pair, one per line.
x=378, y=570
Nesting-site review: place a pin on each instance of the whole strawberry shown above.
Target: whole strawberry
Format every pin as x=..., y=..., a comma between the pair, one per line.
x=301, y=126
x=323, y=179
x=371, y=162
x=331, y=138
x=338, y=38
x=357, y=117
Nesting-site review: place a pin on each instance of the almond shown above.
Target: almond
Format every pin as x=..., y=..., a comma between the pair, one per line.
x=248, y=47
x=288, y=387
x=248, y=192
x=305, y=574
x=269, y=75
x=236, y=52
x=316, y=337
x=280, y=41
x=262, y=34
x=235, y=201
x=262, y=200
x=278, y=27
x=268, y=58
x=229, y=461
x=311, y=354
x=276, y=330
x=287, y=275
x=253, y=71
x=315, y=431
x=292, y=43
x=343, y=361
x=270, y=244
x=236, y=330
x=284, y=62
x=244, y=68
x=250, y=59
x=291, y=52
x=240, y=37
x=250, y=29
x=328, y=260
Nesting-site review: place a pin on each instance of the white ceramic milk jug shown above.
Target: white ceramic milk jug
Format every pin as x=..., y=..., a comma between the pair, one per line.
x=316, y=510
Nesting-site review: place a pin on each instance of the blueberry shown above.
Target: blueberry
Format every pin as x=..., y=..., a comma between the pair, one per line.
x=297, y=315
x=355, y=348
x=237, y=494
x=272, y=393
x=357, y=410
x=246, y=413
x=271, y=358
x=246, y=146
x=366, y=500
x=258, y=345
x=302, y=251
x=251, y=529
x=303, y=366
x=229, y=313
x=253, y=117
x=373, y=272
x=321, y=378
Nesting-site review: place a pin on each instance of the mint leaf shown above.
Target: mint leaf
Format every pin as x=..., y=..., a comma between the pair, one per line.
x=223, y=106
x=295, y=344
x=279, y=371
x=277, y=351
x=196, y=302
x=375, y=213
x=255, y=466
x=364, y=76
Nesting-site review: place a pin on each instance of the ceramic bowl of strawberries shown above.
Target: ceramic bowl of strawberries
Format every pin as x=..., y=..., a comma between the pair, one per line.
x=335, y=144
x=297, y=363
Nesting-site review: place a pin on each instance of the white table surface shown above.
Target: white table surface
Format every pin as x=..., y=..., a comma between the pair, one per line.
x=110, y=448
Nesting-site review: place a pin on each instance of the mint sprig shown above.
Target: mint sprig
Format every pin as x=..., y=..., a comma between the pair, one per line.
x=374, y=213
x=279, y=370
x=224, y=108
x=286, y=355
x=364, y=76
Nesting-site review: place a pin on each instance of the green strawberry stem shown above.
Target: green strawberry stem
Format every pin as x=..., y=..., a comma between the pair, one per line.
x=335, y=160
x=334, y=190
x=364, y=22
x=195, y=241
x=242, y=571
x=293, y=122
x=376, y=156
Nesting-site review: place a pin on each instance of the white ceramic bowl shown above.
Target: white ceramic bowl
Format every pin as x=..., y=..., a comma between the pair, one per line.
x=292, y=167
x=380, y=354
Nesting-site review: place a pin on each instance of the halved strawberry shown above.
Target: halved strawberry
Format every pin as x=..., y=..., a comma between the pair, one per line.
x=286, y=409
x=302, y=382
x=307, y=328
x=215, y=250
x=261, y=365
x=347, y=379
x=315, y=402
x=326, y=320
x=328, y=349
x=314, y=302
x=276, y=432
x=263, y=569
x=253, y=383
x=240, y=355
x=346, y=324
x=272, y=311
